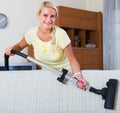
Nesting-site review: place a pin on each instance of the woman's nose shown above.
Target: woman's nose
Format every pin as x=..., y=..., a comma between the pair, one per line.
x=49, y=18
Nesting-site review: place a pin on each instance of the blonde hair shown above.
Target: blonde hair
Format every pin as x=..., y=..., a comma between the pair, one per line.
x=47, y=4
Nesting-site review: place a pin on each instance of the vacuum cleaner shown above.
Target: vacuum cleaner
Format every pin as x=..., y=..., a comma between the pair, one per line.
x=108, y=93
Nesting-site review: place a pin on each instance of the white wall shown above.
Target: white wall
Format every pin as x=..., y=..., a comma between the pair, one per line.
x=22, y=15
x=94, y=5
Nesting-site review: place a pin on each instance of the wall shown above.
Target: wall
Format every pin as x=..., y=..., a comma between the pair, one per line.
x=94, y=5
x=22, y=15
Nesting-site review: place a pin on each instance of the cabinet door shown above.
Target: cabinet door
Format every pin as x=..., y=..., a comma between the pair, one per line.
x=87, y=20
x=91, y=59
x=68, y=17
x=78, y=55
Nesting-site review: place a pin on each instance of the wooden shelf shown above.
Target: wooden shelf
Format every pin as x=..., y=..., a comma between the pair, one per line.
x=86, y=25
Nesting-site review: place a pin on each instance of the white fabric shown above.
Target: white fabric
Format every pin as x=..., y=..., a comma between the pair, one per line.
x=38, y=91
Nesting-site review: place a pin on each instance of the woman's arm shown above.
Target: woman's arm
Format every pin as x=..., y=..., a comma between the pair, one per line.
x=74, y=63
x=75, y=67
x=19, y=46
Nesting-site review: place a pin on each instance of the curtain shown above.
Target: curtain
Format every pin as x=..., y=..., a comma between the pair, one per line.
x=111, y=34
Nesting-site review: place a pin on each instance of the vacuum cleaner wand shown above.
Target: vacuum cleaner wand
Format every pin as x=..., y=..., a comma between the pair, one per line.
x=64, y=75
x=108, y=93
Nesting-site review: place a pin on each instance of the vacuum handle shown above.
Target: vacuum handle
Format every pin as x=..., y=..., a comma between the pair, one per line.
x=32, y=60
x=19, y=53
x=6, y=62
x=6, y=58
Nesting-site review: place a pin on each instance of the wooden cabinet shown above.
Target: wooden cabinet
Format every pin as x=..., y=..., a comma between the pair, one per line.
x=68, y=17
x=88, y=59
x=87, y=26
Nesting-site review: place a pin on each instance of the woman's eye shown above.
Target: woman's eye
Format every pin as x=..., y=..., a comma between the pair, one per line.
x=45, y=15
x=52, y=16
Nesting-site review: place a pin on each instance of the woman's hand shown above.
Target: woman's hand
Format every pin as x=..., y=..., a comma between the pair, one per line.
x=18, y=47
x=8, y=51
x=81, y=83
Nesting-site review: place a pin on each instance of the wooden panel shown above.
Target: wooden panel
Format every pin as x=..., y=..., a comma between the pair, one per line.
x=70, y=32
x=78, y=55
x=87, y=20
x=30, y=51
x=99, y=30
x=82, y=35
x=68, y=17
x=91, y=59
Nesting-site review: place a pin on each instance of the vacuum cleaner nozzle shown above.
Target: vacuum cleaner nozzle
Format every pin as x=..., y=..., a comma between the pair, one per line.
x=111, y=93
x=108, y=93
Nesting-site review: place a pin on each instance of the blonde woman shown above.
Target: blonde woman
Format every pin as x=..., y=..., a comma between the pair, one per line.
x=51, y=44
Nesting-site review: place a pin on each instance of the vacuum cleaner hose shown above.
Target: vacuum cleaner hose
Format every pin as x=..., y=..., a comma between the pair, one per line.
x=19, y=53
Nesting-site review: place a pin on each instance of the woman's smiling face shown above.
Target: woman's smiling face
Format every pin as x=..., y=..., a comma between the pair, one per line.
x=47, y=17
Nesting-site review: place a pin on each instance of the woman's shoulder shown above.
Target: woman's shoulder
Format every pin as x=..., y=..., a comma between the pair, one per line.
x=60, y=32
x=58, y=29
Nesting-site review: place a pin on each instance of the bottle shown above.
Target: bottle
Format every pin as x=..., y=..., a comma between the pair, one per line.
x=76, y=41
